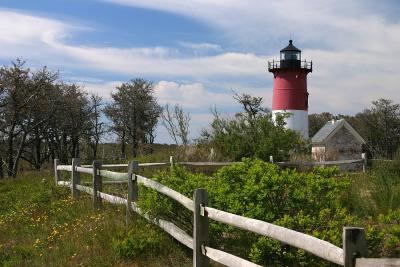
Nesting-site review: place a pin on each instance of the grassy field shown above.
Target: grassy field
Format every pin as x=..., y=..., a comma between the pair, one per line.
x=40, y=225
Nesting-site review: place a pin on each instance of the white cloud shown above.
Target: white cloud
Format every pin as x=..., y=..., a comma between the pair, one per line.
x=190, y=96
x=101, y=88
x=16, y=28
x=355, y=59
x=347, y=81
x=24, y=35
x=337, y=23
x=354, y=64
x=200, y=46
x=159, y=61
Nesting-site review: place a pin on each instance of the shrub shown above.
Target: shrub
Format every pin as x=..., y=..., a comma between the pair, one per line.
x=390, y=233
x=139, y=242
x=306, y=202
x=252, y=133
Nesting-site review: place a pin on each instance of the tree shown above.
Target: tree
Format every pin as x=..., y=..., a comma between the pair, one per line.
x=251, y=105
x=317, y=121
x=251, y=133
x=113, y=112
x=71, y=121
x=96, y=127
x=134, y=112
x=176, y=121
x=36, y=150
x=21, y=91
x=42, y=118
x=380, y=126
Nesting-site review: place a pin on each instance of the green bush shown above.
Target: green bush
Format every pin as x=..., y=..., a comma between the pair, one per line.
x=315, y=203
x=306, y=202
x=252, y=136
x=390, y=232
x=139, y=242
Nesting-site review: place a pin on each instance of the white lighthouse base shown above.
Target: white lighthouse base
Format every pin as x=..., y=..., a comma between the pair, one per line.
x=297, y=120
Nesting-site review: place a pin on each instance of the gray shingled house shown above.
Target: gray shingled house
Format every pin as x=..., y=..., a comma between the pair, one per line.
x=336, y=140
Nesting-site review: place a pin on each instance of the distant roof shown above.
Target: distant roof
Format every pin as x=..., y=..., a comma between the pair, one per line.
x=290, y=47
x=330, y=128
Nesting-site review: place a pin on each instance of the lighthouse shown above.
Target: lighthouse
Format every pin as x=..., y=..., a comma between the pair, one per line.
x=290, y=94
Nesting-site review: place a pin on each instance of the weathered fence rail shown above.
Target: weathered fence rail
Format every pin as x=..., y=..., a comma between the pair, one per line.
x=185, y=201
x=352, y=254
x=362, y=160
x=156, y=164
x=318, y=247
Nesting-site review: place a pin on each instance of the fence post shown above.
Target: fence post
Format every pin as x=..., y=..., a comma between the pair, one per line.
x=364, y=157
x=133, y=169
x=271, y=159
x=354, y=245
x=97, y=185
x=75, y=178
x=200, y=228
x=171, y=163
x=56, y=173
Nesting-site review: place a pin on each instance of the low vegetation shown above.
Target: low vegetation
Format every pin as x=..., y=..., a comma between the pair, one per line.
x=319, y=203
x=40, y=225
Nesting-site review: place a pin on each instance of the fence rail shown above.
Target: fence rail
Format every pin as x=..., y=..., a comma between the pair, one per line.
x=308, y=243
x=353, y=238
x=221, y=164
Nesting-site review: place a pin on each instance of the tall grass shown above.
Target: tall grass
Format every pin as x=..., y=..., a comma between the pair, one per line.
x=378, y=190
x=40, y=225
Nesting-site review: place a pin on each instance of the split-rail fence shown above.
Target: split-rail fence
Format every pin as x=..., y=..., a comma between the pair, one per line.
x=352, y=253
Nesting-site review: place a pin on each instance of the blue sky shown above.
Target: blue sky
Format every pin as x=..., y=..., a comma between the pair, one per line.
x=196, y=51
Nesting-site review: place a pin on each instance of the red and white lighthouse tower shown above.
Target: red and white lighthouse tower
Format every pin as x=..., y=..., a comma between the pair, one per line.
x=290, y=88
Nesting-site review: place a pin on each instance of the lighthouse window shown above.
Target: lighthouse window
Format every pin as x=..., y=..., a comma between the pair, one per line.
x=290, y=55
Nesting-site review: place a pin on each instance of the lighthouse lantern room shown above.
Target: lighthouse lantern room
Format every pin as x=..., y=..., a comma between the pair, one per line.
x=290, y=94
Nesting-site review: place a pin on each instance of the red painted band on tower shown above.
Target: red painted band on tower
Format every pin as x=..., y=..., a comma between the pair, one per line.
x=290, y=89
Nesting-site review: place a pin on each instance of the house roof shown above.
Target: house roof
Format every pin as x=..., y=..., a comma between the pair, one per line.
x=329, y=130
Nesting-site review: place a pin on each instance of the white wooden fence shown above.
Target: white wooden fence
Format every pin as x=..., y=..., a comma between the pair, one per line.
x=351, y=254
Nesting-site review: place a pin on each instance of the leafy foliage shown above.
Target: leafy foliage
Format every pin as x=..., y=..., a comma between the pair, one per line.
x=141, y=240
x=306, y=202
x=134, y=113
x=391, y=232
x=316, y=203
x=42, y=117
x=251, y=133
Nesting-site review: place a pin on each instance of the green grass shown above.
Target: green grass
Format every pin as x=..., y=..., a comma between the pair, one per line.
x=378, y=190
x=41, y=225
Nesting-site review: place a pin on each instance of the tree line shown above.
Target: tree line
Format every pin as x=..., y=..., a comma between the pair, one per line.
x=43, y=117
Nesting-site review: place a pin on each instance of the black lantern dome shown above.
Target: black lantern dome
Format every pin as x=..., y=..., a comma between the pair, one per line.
x=290, y=52
x=290, y=59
